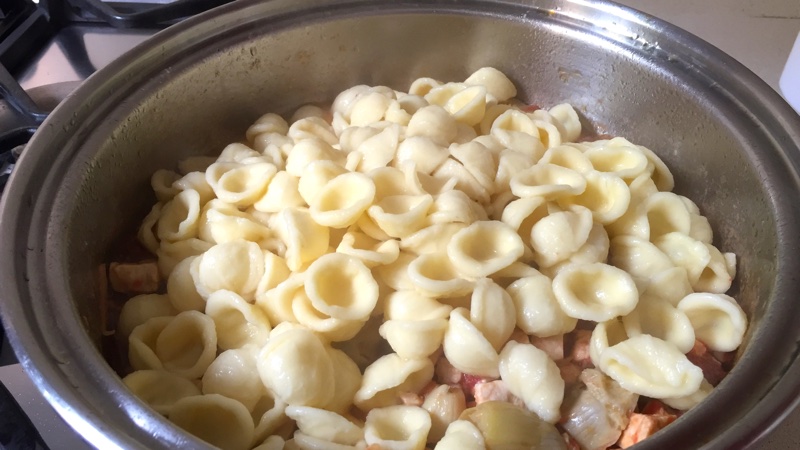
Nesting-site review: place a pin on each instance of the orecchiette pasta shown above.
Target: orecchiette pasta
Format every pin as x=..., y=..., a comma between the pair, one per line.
x=533, y=377
x=355, y=276
x=219, y=420
x=398, y=427
x=717, y=319
x=649, y=366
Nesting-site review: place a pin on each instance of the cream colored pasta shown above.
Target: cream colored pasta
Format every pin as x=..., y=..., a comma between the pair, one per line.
x=371, y=252
x=187, y=345
x=606, y=334
x=605, y=195
x=570, y=157
x=596, y=292
x=401, y=215
x=142, y=308
x=455, y=207
x=559, y=235
x=648, y=366
x=179, y=217
x=492, y=312
x=181, y=288
x=160, y=389
x=484, y=248
x=389, y=376
x=312, y=128
x=624, y=162
x=516, y=131
x=282, y=192
x=325, y=425
x=146, y=233
x=537, y=310
x=234, y=374
x=347, y=381
x=461, y=435
x=397, y=427
x=379, y=150
x=683, y=251
x=660, y=319
x=435, y=275
x=237, y=322
x=638, y=257
x=434, y=123
x=414, y=338
x=670, y=285
x=239, y=184
x=305, y=239
x=445, y=404
x=451, y=225
x=219, y=420
x=548, y=181
x=162, y=184
x=410, y=305
x=478, y=160
x=268, y=123
x=717, y=319
x=423, y=152
x=431, y=239
x=496, y=83
x=341, y=286
x=272, y=443
x=467, y=348
x=234, y=266
x=171, y=253
x=452, y=169
x=688, y=402
x=533, y=377
x=509, y=164
x=325, y=326
x=222, y=222
x=296, y=368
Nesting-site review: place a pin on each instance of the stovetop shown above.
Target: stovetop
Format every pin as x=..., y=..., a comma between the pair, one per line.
x=50, y=46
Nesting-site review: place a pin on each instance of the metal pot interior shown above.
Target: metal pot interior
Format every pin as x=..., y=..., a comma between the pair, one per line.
x=196, y=87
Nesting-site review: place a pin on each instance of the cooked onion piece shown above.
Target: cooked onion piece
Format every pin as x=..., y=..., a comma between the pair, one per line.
x=504, y=425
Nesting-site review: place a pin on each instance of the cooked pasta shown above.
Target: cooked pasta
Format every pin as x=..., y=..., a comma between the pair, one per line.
x=355, y=276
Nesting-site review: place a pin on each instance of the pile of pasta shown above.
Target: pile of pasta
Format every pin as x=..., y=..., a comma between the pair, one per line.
x=319, y=273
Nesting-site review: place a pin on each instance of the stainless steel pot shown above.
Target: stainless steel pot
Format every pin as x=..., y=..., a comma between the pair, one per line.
x=732, y=143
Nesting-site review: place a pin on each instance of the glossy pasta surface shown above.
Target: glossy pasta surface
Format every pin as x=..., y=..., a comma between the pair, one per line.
x=363, y=273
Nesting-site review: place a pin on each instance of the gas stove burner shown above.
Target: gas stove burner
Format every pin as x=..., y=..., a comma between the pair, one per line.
x=21, y=112
x=127, y=15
